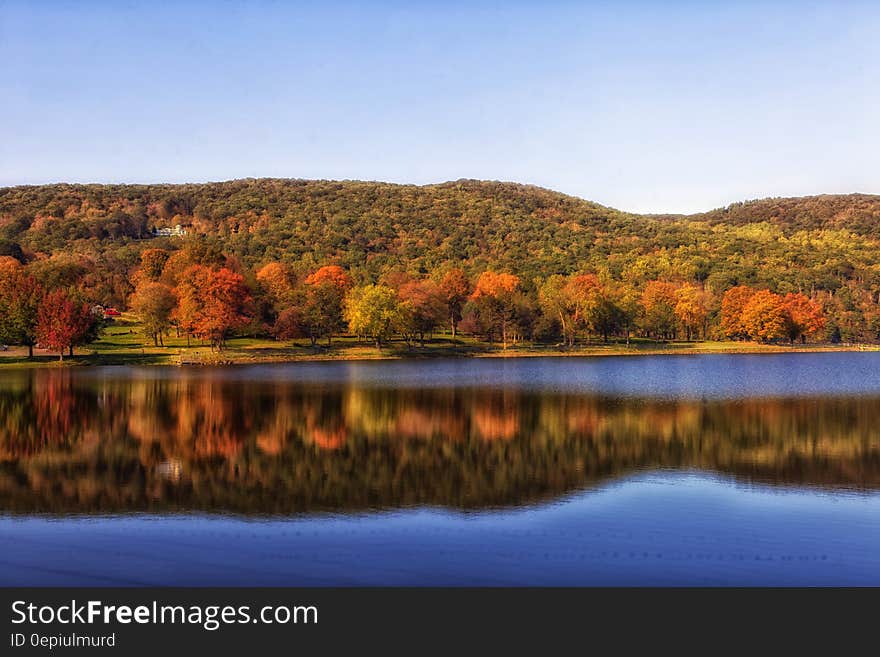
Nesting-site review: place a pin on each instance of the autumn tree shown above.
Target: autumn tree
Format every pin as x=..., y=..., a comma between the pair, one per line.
x=20, y=297
x=323, y=295
x=63, y=321
x=804, y=317
x=153, y=263
x=154, y=303
x=212, y=303
x=690, y=309
x=496, y=301
x=658, y=303
x=321, y=311
x=455, y=288
x=330, y=274
x=277, y=280
x=764, y=317
x=375, y=311
x=427, y=307
x=733, y=303
x=289, y=325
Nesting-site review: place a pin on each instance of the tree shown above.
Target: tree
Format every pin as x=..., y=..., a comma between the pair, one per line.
x=427, y=306
x=323, y=295
x=733, y=303
x=332, y=274
x=212, y=303
x=375, y=311
x=153, y=262
x=764, y=317
x=555, y=301
x=805, y=317
x=64, y=322
x=278, y=282
x=496, y=300
x=690, y=309
x=455, y=288
x=658, y=302
x=289, y=325
x=20, y=297
x=153, y=303
x=321, y=312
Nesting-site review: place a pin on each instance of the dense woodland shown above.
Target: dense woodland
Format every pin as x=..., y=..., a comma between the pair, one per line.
x=504, y=262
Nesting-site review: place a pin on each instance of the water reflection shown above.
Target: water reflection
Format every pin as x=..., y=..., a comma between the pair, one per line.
x=71, y=443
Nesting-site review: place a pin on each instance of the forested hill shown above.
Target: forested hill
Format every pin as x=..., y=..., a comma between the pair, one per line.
x=813, y=243
x=859, y=213
x=357, y=224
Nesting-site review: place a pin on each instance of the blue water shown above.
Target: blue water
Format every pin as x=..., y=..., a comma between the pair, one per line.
x=655, y=529
x=707, y=376
x=669, y=470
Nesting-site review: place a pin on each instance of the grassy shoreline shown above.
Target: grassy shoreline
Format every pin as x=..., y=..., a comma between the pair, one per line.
x=124, y=344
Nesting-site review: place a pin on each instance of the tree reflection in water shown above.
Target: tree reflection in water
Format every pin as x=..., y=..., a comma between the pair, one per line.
x=81, y=444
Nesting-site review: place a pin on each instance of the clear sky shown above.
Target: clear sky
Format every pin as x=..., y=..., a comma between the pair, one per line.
x=646, y=106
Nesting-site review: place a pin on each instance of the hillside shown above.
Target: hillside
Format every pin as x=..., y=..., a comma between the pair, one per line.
x=93, y=235
x=374, y=225
x=859, y=213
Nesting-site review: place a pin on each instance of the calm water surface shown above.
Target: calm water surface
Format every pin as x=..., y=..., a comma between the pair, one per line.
x=757, y=469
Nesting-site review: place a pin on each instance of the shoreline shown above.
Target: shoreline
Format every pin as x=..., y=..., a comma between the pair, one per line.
x=236, y=355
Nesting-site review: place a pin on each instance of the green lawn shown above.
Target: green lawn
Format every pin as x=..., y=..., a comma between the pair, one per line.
x=124, y=343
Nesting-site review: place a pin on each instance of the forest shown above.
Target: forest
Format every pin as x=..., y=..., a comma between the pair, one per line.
x=502, y=262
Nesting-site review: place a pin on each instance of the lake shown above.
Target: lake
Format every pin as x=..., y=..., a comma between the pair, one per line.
x=655, y=470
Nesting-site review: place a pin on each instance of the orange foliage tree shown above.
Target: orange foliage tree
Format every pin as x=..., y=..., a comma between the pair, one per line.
x=495, y=296
x=690, y=309
x=659, y=300
x=332, y=274
x=733, y=303
x=212, y=303
x=804, y=317
x=765, y=317
x=277, y=280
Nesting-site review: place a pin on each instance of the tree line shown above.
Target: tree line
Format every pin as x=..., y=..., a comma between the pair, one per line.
x=208, y=296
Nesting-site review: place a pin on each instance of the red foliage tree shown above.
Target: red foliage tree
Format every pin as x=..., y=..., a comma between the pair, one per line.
x=63, y=322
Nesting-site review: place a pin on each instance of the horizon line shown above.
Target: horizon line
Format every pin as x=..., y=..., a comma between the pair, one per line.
x=437, y=184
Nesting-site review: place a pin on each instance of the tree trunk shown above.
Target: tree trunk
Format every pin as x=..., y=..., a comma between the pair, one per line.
x=30, y=352
x=155, y=339
x=453, y=328
x=70, y=349
x=61, y=354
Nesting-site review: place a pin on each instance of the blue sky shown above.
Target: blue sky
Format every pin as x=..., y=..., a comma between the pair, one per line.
x=645, y=106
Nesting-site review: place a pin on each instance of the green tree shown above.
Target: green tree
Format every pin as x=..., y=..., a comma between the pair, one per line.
x=375, y=311
x=153, y=303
